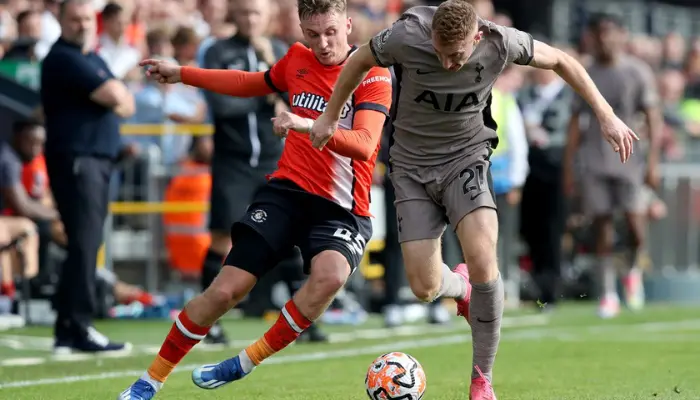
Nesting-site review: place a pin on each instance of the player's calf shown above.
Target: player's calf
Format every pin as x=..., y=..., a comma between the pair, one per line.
x=329, y=272
x=478, y=232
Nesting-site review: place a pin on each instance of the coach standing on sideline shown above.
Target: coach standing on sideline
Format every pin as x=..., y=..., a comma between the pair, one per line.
x=83, y=105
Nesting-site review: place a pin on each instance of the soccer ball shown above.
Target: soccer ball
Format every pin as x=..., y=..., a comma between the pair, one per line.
x=395, y=376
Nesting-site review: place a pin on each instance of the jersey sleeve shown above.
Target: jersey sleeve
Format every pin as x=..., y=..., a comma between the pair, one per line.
x=374, y=93
x=519, y=46
x=276, y=77
x=387, y=44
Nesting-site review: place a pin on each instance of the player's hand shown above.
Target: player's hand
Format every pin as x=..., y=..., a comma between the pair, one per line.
x=619, y=135
x=323, y=130
x=162, y=71
x=286, y=121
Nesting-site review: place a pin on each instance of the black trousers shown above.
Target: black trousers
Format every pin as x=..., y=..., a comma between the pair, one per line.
x=543, y=218
x=80, y=185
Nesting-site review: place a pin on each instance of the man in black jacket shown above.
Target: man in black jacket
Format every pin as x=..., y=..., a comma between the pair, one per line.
x=245, y=148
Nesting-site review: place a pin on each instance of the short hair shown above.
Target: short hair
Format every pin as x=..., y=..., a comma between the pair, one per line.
x=65, y=3
x=156, y=36
x=23, y=125
x=184, y=35
x=454, y=21
x=308, y=8
x=111, y=10
x=21, y=17
x=597, y=19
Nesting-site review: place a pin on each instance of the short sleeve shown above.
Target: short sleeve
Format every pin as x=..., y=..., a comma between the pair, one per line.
x=10, y=170
x=374, y=93
x=519, y=46
x=387, y=44
x=276, y=76
x=75, y=71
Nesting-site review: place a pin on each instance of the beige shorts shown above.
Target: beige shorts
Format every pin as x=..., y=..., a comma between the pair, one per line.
x=425, y=202
x=605, y=195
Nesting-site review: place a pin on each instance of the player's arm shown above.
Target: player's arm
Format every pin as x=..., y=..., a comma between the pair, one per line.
x=354, y=71
x=548, y=57
x=649, y=104
x=15, y=196
x=616, y=132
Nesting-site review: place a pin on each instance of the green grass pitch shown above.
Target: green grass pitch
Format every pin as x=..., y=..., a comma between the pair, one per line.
x=568, y=354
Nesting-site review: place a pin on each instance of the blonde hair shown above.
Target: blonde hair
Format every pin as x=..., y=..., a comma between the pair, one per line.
x=454, y=21
x=308, y=8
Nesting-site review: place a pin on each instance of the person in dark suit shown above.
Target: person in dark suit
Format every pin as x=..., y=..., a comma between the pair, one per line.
x=83, y=106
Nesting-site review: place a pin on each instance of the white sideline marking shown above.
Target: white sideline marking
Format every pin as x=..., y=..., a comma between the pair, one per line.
x=296, y=358
x=338, y=337
x=556, y=333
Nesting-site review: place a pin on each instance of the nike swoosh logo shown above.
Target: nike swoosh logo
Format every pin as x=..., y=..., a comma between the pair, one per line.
x=485, y=322
x=419, y=72
x=474, y=196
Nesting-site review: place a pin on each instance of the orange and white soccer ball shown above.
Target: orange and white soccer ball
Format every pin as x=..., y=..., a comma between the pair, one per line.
x=395, y=376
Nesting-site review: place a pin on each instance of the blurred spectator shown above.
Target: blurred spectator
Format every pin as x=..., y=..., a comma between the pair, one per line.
x=288, y=28
x=82, y=103
x=185, y=43
x=671, y=84
x=546, y=110
x=502, y=19
x=50, y=28
x=187, y=238
x=214, y=14
x=28, y=35
x=113, y=46
x=674, y=51
x=12, y=228
x=159, y=44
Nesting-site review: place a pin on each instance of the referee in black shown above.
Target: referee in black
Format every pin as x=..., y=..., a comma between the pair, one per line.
x=83, y=106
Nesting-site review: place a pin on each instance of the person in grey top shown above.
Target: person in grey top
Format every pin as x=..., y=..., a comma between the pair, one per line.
x=607, y=186
x=449, y=59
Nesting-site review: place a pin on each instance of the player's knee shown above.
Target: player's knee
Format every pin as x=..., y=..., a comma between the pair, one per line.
x=329, y=272
x=229, y=287
x=483, y=266
x=425, y=291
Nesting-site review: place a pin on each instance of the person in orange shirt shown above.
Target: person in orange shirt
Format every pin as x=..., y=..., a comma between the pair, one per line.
x=186, y=235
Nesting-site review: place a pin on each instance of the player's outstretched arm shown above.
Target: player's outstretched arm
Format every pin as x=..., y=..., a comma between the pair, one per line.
x=354, y=71
x=228, y=82
x=616, y=132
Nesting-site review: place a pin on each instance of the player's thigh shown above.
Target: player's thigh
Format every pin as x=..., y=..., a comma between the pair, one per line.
x=423, y=264
x=418, y=216
x=335, y=231
x=596, y=196
x=273, y=220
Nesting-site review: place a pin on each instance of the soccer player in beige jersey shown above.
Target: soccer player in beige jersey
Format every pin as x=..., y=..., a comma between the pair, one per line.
x=448, y=59
x=608, y=186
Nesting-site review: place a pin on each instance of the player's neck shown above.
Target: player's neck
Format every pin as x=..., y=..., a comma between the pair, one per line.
x=609, y=61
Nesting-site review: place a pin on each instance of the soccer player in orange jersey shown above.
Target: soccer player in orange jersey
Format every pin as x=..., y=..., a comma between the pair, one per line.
x=317, y=200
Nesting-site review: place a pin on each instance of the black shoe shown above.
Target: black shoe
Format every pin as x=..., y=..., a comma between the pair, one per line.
x=313, y=334
x=216, y=335
x=88, y=341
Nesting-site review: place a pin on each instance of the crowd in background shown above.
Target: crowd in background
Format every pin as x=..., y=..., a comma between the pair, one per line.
x=183, y=30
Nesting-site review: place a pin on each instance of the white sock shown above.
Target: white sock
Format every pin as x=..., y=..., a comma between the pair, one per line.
x=247, y=364
x=156, y=384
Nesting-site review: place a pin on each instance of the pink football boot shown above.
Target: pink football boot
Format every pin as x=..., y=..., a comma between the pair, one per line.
x=463, y=304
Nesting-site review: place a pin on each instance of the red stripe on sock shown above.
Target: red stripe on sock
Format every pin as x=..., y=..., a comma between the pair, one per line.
x=281, y=334
x=8, y=289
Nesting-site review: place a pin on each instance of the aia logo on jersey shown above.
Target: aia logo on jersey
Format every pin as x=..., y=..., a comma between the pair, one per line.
x=316, y=103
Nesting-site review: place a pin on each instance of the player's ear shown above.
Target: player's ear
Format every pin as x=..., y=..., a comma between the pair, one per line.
x=349, y=24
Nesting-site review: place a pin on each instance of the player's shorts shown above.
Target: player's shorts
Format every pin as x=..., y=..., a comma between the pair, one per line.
x=605, y=195
x=285, y=215
x=428, y=198
x=233, y=186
